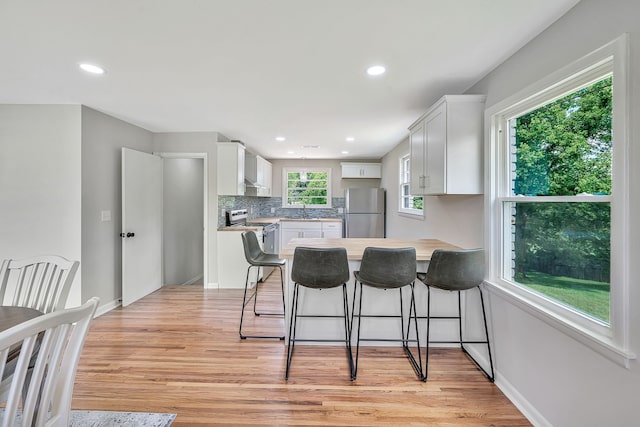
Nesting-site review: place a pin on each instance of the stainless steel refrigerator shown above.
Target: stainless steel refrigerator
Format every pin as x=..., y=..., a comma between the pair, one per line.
x=365, y=212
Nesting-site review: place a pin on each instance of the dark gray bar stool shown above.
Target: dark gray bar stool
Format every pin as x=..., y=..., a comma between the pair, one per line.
x=388, y=268
x=257, y=258
x=456, y=270
x=319, y=268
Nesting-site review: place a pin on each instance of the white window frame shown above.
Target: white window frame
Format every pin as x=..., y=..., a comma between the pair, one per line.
x=404, y=178
x=285, y=193
x=611, y=340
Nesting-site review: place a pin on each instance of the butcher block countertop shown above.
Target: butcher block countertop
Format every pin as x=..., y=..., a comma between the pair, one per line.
x=274, y=220
x=311, y=219
x=355, y=246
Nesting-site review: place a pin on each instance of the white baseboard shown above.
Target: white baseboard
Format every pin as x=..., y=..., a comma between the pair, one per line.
x=192, y=281
x=523, y=405
x=105, y=308
x=211, y=285
x=527, y=409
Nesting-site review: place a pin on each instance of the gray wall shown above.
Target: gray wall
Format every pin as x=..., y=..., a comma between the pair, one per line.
x=453, y=219
x=557, y=379
x=337, y=183
x=199, y=142
x=182, y=237
x=40, y=190
x=103, y=137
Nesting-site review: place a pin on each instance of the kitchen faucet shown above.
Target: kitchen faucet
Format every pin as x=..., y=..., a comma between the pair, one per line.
x=304, y=211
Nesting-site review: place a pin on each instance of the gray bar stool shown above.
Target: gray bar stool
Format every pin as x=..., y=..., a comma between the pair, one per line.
x=456, y=270
x=388, y=268
x=257, y=258
x=319, y=268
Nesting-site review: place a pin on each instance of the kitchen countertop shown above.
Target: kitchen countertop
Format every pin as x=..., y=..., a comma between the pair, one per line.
x=274, y=220
x=311, y=219
x=241, y=228
x=256, y=223
x=355, y=246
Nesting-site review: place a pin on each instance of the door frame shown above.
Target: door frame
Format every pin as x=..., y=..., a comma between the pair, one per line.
x=205, y=203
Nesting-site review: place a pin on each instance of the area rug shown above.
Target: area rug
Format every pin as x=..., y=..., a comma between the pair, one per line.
x=117, y=419
x=120, y=419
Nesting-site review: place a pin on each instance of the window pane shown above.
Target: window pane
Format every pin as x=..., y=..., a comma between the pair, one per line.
x=307, y=188
x=564, y=148
x=562, y=250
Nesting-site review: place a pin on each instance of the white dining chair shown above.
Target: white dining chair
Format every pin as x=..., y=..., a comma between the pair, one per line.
x=44, y=369
x=41, y=283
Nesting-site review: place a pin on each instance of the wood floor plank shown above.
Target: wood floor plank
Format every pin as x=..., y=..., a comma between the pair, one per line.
x=178, y=350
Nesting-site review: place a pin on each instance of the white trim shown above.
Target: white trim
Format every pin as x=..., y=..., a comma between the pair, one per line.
x=408, y=212
x=105, y=308
x=192, y=281
x=520, y=402
x=205, y=202
x=612, y=341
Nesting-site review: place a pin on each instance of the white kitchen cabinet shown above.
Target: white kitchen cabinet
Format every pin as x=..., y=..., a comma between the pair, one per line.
x=361, y=170
x=447, y=146
x=258, y=175
x=231, y=169
x=332, y=230
x=309, y=229
x=232, y=264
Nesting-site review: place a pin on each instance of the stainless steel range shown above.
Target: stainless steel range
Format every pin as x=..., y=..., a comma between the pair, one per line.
x=269, y=235
x=236, y=218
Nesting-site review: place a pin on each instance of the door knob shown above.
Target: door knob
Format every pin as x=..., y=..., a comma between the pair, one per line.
x=127, y=235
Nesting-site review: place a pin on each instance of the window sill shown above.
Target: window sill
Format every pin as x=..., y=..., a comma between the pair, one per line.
x=412, y=215
x=601, y=344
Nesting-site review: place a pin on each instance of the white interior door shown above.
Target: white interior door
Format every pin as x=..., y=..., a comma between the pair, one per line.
x=141, y=224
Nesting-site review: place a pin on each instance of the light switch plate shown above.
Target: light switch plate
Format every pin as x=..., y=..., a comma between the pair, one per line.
x=105, y=216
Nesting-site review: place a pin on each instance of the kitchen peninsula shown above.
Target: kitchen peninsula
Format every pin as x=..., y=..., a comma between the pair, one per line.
x=377, y=301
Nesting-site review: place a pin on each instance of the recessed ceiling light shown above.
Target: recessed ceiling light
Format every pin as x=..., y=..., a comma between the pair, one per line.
x=291, y=152
x=344, y=152
x=280, y=138
x=376, y=70
x=350, y=139
x=93, y=69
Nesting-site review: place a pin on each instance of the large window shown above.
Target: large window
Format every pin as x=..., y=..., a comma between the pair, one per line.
x=560, y=222
x=409, y=203
x=306, y=187
x=559, y=185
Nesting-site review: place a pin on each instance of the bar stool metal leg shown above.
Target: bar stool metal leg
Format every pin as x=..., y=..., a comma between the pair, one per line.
x=254, y=296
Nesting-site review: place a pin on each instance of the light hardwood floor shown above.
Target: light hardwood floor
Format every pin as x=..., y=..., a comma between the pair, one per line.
x=177, y=350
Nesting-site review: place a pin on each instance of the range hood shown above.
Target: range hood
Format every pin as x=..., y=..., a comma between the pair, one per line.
x=250, y=183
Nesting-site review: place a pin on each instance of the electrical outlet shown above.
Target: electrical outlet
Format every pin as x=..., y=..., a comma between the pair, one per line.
x=105, y=216
x=273, y=210
x=340, y=210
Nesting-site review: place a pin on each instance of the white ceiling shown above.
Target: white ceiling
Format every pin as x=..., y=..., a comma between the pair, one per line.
x=256, y=69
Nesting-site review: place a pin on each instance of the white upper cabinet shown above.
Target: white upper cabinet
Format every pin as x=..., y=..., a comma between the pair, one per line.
x=446, y=147
x=258, y=175
x=361, y=170
x=230, y=169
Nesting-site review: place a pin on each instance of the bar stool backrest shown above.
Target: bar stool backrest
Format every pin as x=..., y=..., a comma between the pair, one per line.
x=320, y=267
x=251, y=246
x=388, y=268
x=456, y=270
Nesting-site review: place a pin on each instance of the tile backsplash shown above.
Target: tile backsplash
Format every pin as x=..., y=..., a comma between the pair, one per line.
x=260, y=207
